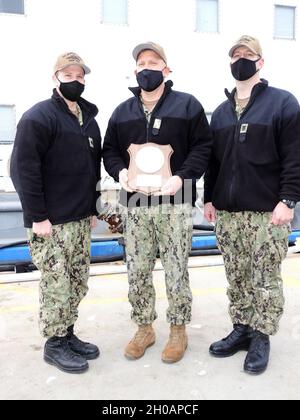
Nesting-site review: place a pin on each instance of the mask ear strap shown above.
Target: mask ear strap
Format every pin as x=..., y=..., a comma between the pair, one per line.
x=57, y=77
x=257, y=62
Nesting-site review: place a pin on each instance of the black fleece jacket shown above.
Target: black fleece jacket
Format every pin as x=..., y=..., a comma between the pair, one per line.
x=55, y=163
x=256, y=160
x=184, y=126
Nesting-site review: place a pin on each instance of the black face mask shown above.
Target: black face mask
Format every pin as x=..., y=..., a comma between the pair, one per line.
x=244, y=69
x=71, y=90
x=150, y=80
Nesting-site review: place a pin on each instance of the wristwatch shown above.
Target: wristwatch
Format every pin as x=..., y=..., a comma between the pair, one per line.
x=289, y=203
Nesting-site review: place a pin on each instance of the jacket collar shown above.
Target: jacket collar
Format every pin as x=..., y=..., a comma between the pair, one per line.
x=257, y=90
x=87, y=108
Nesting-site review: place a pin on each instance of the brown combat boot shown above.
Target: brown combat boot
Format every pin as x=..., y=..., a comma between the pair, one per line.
x=176, y=346
x=144, y=338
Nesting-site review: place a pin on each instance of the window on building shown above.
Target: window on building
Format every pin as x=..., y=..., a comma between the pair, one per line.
x=7, y=124
x=12, y=6
x=207, y=16
x=115, y=11
x=285, y=19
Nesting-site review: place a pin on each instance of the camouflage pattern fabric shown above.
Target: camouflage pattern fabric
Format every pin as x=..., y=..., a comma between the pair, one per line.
x=167, y=229
x=253, y=250
x=64, y=261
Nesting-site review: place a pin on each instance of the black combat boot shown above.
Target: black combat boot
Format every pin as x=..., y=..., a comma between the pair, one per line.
x=258, y=356
x=238, y=340
x=58, y=353
x=86, y=350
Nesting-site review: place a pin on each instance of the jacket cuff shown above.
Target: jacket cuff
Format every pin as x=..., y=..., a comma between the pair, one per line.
x=40, y=219
x=207, y=197
x=181, y=175
x=116, y=177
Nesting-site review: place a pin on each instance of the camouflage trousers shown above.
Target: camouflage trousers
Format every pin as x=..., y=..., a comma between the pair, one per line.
x=253, y=250
x=166, y=229
x=64, y=261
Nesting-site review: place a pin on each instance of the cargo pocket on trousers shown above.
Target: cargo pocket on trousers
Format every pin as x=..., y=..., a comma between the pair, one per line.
x=280, y=239
x=39, y=250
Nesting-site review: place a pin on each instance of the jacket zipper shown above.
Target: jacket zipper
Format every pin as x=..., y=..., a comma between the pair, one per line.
x=148, y=126
x=83, y=129
x=232, y=188
x=157, y=106
x=84, y=126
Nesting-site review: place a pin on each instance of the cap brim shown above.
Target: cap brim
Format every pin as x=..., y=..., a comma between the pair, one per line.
x=238, y=46
x=85, y=68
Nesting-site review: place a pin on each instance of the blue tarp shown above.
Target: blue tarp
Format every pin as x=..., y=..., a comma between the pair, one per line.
x=107, y=249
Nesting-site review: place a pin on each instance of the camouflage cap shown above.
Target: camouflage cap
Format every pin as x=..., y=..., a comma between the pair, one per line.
x=247, y=41
x=70, y=59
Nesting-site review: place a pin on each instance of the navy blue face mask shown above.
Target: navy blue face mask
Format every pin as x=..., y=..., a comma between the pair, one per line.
x=150, y=80
x=71, y=90
x=244, y=69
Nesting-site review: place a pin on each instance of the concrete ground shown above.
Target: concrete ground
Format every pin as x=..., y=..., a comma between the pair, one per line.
x=104, y=319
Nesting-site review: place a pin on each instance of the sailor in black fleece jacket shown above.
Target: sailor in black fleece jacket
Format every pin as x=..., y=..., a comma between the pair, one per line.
x=55, y=168
x=158, y=114
x=251, y=189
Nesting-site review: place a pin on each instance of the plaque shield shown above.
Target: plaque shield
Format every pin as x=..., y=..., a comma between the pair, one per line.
x=149, y=168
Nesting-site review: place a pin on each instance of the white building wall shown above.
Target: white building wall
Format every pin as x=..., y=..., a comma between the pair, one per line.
x=200, y=63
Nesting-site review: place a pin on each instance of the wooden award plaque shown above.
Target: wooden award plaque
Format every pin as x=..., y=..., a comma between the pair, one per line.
x=149, y=168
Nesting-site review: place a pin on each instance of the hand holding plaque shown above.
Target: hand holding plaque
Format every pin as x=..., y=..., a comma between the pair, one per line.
x=149, y=168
